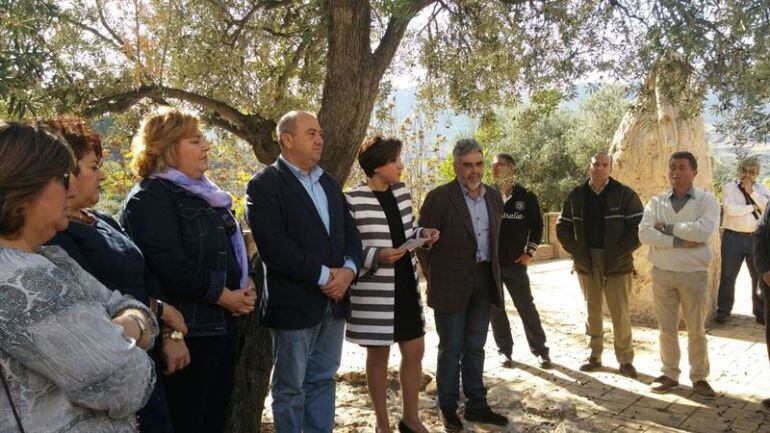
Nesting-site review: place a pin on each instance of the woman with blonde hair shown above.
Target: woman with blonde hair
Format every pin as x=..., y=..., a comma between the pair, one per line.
x=385, y=301
x=71, y=350
x=184, y=225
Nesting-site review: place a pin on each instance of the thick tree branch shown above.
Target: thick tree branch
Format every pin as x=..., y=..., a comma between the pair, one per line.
x=391, y=40
x=252, y=128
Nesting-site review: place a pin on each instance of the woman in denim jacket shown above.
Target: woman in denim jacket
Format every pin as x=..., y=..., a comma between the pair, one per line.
x=183, y=224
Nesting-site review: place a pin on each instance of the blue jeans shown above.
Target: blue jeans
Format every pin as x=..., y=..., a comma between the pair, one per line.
x=461, y=346
x=303, y=385
x=735, y=249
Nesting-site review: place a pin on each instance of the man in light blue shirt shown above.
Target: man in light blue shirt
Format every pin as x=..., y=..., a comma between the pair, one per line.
x=311, y=250
x=310, y=181
x=463, y=273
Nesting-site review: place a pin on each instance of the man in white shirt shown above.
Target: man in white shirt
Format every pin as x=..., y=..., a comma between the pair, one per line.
x=744, y=202
x=677, y=226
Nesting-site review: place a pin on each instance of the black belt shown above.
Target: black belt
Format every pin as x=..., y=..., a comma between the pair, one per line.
x=483, y=264
x=744, y=234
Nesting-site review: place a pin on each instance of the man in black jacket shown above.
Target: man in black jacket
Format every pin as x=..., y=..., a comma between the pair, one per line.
x=762, y=262
x=311, y=252
x=521, y=230
x=598, y=226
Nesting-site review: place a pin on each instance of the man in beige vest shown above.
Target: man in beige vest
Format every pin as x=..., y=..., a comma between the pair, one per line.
x=677, y=226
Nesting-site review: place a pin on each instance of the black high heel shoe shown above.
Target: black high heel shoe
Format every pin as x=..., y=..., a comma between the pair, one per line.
x=403, y=428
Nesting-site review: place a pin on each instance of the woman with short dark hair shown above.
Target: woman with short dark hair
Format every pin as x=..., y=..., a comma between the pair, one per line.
x=71, y=353
x=385, y=301
x=101, y=247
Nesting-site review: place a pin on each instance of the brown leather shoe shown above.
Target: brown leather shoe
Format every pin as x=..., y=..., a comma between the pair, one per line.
x=663, y=384
x=592, y=364
x=628, y=370
x=703, y=389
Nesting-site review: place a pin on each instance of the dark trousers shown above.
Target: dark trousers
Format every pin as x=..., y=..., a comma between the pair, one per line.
x=516, y=281
x=735, y=249
x=198, y=394
x=767, y=320
x=154, y=416
x=462, y=336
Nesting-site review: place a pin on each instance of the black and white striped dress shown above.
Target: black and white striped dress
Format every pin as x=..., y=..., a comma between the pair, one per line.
x=385, y=302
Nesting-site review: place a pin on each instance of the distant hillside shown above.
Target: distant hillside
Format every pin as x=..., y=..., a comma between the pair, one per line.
x=453, y=125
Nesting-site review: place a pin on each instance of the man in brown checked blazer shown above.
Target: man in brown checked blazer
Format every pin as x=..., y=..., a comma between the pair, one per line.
x=463, y=275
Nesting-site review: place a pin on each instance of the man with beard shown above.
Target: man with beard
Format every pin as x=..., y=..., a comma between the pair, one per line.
x=463, y=273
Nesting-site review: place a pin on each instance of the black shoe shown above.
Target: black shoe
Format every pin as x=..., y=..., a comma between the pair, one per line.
x=505, y=360
x=450, y=420
x=628, y=370
x=722, y=317
x=766, y=403
x=591, y=364
x=484, y=414
x=760, y=320
x=544, y=361
x=403, y=428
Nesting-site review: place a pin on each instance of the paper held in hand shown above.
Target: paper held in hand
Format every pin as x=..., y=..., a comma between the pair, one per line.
x=411, y=244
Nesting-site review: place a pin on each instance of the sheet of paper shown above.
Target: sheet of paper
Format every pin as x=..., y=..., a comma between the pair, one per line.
x=411, y=244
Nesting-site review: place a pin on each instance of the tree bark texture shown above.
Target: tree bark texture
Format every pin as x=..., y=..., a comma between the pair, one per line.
x=353, y=76
x=253, y=366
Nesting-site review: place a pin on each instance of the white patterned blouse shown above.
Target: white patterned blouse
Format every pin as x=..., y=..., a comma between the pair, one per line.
x=67, y=366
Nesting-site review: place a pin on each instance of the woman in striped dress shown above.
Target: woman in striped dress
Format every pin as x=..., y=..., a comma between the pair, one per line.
x=385, y=302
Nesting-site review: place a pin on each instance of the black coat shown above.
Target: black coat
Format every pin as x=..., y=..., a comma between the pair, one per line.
x=293, y=244
x=621, y=228
x=762, y=252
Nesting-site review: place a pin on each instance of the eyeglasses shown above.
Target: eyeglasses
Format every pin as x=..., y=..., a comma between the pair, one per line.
x=749, y=170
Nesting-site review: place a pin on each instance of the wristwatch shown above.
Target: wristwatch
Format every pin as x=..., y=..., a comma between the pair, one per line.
x=159, y=310
x=172, y=335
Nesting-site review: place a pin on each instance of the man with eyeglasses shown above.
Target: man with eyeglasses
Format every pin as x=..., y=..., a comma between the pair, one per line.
x=744, y=202
x=521, y=230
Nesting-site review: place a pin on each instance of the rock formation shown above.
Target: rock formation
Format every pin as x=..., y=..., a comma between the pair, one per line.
x=648, y=134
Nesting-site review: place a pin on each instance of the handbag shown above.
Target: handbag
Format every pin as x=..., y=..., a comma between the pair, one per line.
x=10, y=401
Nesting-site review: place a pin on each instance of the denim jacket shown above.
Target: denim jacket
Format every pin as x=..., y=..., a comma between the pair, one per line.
x=185, y=243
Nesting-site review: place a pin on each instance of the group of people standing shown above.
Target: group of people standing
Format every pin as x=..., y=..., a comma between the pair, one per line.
x=130, y=325
x=601, y=224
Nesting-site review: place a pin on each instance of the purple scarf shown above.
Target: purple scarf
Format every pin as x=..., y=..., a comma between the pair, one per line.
x=216, y=197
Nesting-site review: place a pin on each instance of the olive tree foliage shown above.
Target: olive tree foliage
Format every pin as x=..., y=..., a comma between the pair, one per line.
x=243, y=63
x=552, y=146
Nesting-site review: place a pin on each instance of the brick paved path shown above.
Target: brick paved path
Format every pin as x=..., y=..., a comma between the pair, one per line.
x=565, y=399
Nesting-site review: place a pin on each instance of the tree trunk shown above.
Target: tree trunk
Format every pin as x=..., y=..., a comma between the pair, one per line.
x=253, y=365
x=350, y=90
x=353, y=76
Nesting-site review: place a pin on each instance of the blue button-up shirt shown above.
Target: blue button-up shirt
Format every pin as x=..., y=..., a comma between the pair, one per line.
x=311, y=183
x=480, y=219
